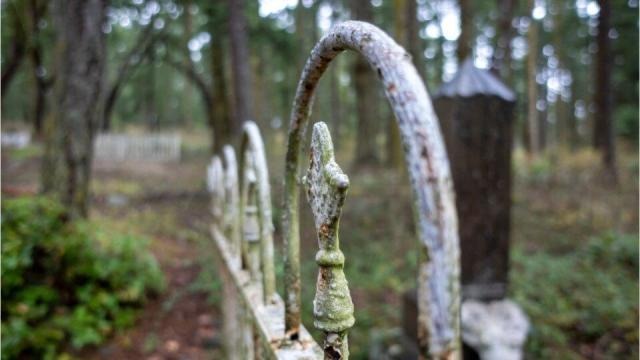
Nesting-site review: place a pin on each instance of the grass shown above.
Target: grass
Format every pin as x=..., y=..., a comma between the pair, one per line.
x=582, y=303
x=27, y=152
x=116, y=186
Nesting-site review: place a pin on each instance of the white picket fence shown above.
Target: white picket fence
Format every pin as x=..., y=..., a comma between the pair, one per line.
x=133, y=148
x=15, y=139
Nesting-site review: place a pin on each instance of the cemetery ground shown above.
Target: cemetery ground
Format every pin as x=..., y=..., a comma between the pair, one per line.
x=573, y=266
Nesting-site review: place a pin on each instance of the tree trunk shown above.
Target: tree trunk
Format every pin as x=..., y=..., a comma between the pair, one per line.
x=37, y=67
x=562, y=122
x=572, y=124
x=366, y=99
x=306, y=36
x=335, y=104
x=465, y=41
x=603, y=134
x=414, y=44
x=394, y=145
x=222, y=125
x=532, y=86
x=187, y=94
x=300, y=38
x=239, y=65
x=502, y=55
x=41, y=92
x=80, y=55
x=151, y=104
x=261, y=104
x=563, y=116
x=542, y=120
x=109, y=104
x=436, y=70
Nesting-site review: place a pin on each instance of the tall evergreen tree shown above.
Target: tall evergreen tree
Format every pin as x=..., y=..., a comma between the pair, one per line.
x=466, y=39
x=365, y=93
x=219, y=113
x=502, y=53
x=603, y=132
x=240, y=69
x=36, y=10
x=533, y=124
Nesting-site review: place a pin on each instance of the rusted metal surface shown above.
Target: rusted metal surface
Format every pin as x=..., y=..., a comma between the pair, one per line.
x=326, y=187
x=429, y=173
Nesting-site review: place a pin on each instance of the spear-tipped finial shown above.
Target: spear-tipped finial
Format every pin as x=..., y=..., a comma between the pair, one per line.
x=327, y=186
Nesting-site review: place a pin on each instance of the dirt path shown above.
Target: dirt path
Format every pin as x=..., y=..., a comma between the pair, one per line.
x=180, y=324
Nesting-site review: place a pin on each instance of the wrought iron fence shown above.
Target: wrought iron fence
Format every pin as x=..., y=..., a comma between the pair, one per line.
x=258, y=322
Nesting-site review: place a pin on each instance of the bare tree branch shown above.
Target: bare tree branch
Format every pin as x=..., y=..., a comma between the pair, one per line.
x=190, y=72
x=17, y=52
x=141, y=48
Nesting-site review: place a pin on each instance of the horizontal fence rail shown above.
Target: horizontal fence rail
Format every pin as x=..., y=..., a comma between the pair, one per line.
x=242, y=231
x=258, y=322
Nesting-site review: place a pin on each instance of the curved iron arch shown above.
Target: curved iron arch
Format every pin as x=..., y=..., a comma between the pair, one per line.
x=433, y=206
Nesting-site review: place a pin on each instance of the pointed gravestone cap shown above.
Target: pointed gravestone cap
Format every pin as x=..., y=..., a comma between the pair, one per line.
x=472, y=81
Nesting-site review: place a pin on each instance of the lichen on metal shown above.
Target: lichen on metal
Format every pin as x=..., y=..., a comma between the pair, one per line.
x=429, y=174
x=254, y=162
x=326, y=187
x=231, y=218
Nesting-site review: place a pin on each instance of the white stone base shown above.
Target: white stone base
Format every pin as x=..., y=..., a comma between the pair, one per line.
x=496, y=330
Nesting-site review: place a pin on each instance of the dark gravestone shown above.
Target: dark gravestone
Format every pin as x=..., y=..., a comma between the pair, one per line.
x=476, y=112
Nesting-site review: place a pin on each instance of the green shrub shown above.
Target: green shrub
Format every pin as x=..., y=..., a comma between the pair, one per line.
x=585, y=297
x=626, y=120
x=66, y=283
